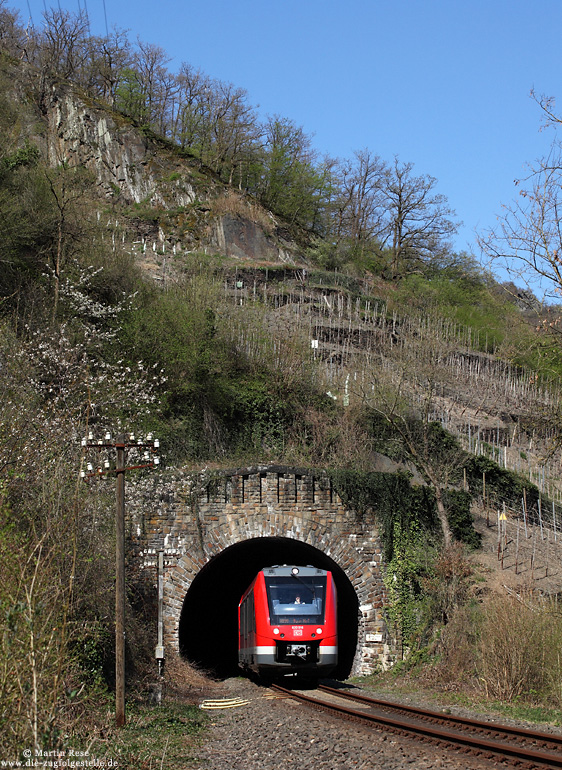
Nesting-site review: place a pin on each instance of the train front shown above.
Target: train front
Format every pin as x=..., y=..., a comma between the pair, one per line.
x=299, y=619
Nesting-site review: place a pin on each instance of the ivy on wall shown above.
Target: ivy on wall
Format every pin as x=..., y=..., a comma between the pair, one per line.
x=391, y=499
x=403, y=576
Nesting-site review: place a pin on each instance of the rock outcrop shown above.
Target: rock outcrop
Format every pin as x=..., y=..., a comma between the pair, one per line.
x=137, y=169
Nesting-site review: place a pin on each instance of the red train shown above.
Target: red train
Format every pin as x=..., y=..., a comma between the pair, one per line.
x=287, y=623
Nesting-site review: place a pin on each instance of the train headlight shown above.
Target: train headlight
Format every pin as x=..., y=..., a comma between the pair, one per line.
x=275, y=630
x=295, y=571
x=318, y=630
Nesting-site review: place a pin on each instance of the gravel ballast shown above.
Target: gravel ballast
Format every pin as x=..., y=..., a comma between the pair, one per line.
x=270, y=733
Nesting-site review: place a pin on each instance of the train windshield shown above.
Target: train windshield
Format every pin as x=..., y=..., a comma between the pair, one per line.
x=293, y=600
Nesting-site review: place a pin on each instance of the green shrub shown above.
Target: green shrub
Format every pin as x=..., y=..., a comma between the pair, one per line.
x=502, y=485
x=458, y=505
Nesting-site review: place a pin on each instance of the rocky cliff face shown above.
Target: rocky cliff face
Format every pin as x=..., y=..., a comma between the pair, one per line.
x=120, y=156
x=137, y=169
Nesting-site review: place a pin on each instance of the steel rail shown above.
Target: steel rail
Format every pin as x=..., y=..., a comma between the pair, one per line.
x=553, y=741
x=427, y=731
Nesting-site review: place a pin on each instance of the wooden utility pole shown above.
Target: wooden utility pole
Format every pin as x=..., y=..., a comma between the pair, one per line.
x=120, y=585
x=120, y=445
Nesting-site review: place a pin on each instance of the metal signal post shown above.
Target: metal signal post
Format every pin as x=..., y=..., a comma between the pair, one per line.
x=121, y=445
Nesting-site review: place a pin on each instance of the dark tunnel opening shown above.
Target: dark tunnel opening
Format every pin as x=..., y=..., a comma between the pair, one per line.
x=208, y=630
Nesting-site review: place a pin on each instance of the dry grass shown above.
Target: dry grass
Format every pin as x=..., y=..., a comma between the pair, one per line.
x=232, y=202
x=184, y=682
x=516, y=652
x=505, y=647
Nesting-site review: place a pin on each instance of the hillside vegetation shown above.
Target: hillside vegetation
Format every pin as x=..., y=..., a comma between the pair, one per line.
x=368, y=348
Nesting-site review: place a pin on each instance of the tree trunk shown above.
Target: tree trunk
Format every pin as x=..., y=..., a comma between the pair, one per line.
x=442, y=515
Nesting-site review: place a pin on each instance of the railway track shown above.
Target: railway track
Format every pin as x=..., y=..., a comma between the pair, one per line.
x=525, y=748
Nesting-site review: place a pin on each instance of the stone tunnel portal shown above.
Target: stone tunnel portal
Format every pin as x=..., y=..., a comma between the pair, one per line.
x=208, y=627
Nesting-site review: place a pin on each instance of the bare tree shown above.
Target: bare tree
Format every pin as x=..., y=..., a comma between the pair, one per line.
x=423, y=443
x=67, y=227
x=409, y=392
x=360, y=206
x=63, y=48
x=233, y=128
x=189, y=124
x=527, y=241
x=418, y=220
x=155, y=81
x=13, y=38
x=109, y=57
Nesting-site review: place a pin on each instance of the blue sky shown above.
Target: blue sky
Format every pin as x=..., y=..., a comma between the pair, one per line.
x=443, y=84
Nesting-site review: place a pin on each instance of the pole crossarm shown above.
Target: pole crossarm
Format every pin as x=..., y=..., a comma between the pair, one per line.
x=150, y=459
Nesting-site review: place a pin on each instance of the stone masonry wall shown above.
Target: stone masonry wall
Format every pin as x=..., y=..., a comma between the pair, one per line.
x=199, y=516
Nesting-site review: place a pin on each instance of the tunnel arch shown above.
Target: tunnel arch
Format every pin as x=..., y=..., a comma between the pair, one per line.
x=267, y=514
x=208, y=623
